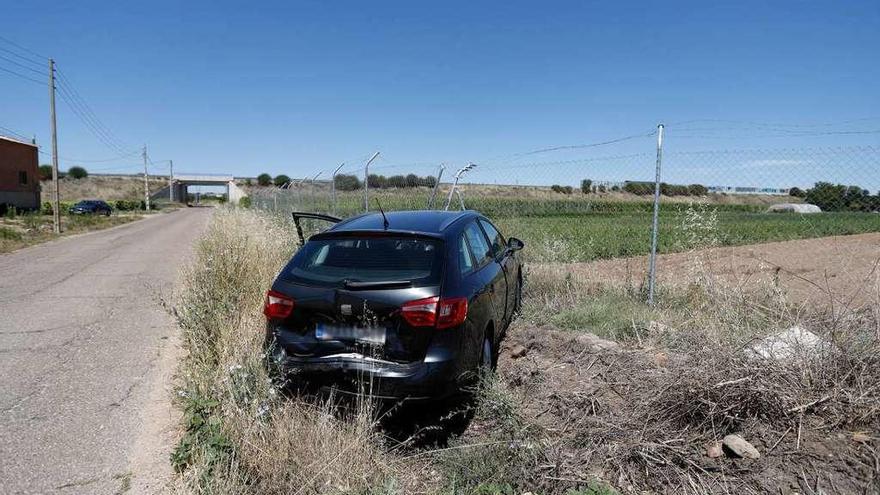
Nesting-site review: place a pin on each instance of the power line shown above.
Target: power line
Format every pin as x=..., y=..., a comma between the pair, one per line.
x=22, y=76
x=41, y=63
x=92, y=127
x=40, y=72
x=85, y=114
x=28, y=50
x=65, y=81
x=14, y=134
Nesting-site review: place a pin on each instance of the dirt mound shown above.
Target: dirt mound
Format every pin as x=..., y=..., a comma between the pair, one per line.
x=609, y=411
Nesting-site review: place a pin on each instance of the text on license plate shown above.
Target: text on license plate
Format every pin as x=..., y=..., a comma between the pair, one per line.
x=373, y=335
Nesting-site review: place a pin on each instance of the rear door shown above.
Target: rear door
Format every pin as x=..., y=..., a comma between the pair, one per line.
x=508, y=265
x=490, y=272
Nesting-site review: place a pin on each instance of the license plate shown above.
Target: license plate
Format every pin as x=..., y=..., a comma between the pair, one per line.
x=372, y=335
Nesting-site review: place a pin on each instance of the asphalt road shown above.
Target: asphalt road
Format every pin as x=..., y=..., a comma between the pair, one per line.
x=83, y=335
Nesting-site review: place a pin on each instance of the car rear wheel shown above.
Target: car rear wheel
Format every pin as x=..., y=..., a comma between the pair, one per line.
x=487, y=356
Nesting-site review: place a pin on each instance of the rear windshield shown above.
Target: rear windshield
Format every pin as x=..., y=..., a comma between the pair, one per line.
x=333, y=262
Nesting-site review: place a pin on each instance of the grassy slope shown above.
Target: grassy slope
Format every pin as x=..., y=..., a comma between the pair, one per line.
x=29, y=229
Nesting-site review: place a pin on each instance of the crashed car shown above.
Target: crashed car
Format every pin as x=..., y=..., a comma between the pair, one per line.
x=403, y=305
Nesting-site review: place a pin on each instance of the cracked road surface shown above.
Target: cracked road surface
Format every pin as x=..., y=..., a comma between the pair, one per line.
x=84, y=346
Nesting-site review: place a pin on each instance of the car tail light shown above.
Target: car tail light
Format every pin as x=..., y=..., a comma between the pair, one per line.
x=433, y=311
x=421, y=312
x=277, y=305
x=452, y=312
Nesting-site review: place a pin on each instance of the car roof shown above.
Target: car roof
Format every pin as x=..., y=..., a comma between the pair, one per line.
x=431, y=222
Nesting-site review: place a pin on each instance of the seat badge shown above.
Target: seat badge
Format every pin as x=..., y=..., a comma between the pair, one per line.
x=345, y=309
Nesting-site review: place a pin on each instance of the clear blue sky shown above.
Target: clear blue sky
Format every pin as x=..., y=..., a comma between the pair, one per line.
x=295, y=87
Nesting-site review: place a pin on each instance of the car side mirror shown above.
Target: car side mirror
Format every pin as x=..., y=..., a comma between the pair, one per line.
x=515, y=244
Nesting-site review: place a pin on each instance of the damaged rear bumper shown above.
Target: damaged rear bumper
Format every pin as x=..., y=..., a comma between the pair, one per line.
x=353, y=373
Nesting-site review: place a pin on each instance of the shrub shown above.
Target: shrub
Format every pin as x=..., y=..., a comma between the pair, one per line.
x=837, y=197
x=45, y=172
x=280, y=180
x=245, y=202
x=346, y=182
x=8, y=234
x=264, y=179
x=639, y=188
x=697, y=190
x=796, y=192
x=586, y=186
x=130, y=205
x=77, y=172
x=46, y=208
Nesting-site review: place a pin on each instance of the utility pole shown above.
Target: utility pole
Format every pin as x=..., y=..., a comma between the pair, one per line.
x=56, y=196
x=367, y=182
x=652, y=264
x=146, y=183
x=171, y=181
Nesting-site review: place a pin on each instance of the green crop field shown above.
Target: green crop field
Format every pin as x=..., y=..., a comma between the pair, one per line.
x=584, y=228
x=568, y=238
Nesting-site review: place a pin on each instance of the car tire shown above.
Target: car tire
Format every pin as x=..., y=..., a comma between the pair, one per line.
x=487, y=356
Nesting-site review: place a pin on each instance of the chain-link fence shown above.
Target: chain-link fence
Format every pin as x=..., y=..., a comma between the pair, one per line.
x=593, y=204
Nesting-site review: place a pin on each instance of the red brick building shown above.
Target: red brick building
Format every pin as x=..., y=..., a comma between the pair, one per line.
x=19, y=180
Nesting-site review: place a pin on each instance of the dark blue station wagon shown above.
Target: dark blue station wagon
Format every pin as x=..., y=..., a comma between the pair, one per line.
x=403, y=305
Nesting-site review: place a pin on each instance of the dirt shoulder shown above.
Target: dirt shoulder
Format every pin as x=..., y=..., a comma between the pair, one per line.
x=835, y=271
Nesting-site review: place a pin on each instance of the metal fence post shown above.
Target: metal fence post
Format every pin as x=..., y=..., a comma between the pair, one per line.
x=436, y=188
x=652, y=266
x=333, y=186
x=367, y=182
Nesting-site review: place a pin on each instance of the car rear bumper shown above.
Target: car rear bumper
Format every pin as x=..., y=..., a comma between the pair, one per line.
x=353, y=373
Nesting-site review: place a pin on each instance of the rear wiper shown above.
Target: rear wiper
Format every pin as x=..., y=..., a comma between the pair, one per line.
x=382, y=284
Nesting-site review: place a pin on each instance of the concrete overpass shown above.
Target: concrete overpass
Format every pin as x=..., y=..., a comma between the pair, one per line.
x=178, y=184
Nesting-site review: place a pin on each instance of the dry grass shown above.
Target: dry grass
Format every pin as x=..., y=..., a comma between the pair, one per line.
x=641, y=414
x=96, y=187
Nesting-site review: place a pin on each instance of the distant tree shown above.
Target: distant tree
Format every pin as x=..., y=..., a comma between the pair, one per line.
x=377, y=181
x=397, y=181
x=586, y=186
x=797, y=192
x=638, y=188
x=615, y=188
x=45, y=172
x=412, y=180
x=837, y=197
x=601, y=188
x=280, y=180
x=264, y=179
x=77, y=172
x=345, y=182
x=567, y=189
x=248, y=182
x=429, y=181
x=697, y=190
x=556, y=188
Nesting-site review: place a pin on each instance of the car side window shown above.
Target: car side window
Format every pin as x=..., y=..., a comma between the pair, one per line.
x=478, y=243
x=498, y=244
x=465, y=260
